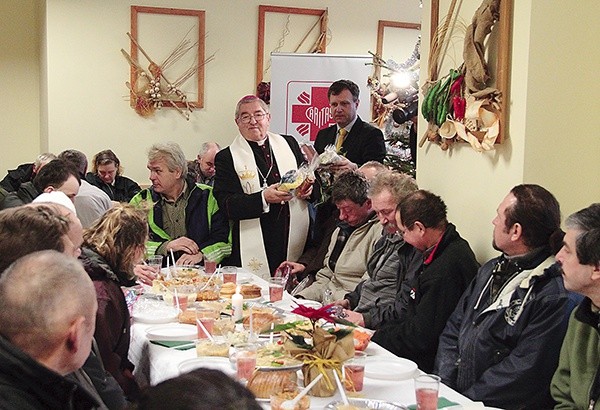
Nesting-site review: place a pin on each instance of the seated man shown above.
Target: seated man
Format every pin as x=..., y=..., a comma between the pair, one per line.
x=90, y=202
x=106, y=175
x=351, y=243
x=501, y=344
x=447, y=268
x=57, y=175
x=24, y=172
x=393, y=261
x=50, y=225
x=183, y=216
x=42, y=342
x=313, y=257
x=576, y=383
x=202, y=169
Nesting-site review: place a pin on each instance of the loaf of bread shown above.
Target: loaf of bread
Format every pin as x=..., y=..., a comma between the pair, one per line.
x=266, y=383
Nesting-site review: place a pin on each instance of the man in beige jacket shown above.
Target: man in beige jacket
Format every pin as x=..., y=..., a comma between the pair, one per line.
x=351, y=243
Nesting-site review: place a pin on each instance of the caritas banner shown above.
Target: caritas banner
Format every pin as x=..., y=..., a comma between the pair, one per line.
x=299, y=83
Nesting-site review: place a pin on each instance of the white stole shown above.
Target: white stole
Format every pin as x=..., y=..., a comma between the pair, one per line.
x=252, y=249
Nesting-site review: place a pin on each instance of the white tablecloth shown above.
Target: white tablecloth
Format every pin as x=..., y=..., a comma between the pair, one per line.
x=156, y=363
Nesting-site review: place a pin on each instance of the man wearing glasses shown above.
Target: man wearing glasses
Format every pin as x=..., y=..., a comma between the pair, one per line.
x=269, y=225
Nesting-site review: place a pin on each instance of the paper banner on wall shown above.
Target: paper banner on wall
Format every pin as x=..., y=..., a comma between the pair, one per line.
x=299, y=83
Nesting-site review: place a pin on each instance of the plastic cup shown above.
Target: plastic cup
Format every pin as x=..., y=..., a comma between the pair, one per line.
x=207, y=317
x=180, y=296
x=276, y=286
x=155, y=262
x=210, y=266
x=245, y=360
x=229, y=274
x=426, y=391
x=354, y=372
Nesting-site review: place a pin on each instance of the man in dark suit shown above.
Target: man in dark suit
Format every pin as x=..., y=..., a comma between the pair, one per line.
x=269, y=225
x=359, y=141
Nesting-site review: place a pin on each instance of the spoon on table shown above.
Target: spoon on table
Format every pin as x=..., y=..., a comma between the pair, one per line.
x=341, y=388
x=291, y=404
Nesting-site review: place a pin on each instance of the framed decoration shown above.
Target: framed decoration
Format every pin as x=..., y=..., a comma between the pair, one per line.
x=305, y=31
x=169, y=72
x=469, y=101
x=399, y=29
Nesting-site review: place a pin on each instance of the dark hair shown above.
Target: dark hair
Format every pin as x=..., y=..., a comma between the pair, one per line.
x=27, y=229
x=538, y=213
x=201, y=389
x=425, y=207
x=55, y=173
x=105, y=157
x=587, y=221
x=77, y=158
x=341, y=85
x=350, y=185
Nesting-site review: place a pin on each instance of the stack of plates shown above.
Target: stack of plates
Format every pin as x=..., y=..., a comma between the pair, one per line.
x=390, y=369
x=207, y=362
x=172, y=332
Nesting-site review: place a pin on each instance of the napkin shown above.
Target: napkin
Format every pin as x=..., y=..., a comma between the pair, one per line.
x=175, y=344
x=442, y=403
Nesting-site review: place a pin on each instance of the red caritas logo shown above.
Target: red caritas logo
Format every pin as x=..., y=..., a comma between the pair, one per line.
x=312, y=114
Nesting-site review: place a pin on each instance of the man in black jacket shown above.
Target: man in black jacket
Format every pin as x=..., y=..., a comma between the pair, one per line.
x=448, y=266
x=42, y=342
x=356, y=140
x=501, y=344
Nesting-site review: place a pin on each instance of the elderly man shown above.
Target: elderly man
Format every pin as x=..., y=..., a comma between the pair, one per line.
x=448, y=265
x=269, y=225
x=355, y=139
x=576, y=383
x=393, y=262
x=57, y=175
x=25, y=172
x=183, y=216
x=203, y=167
x=42, y=342
x=351, y=243
x=90, y=202
x=501, y=344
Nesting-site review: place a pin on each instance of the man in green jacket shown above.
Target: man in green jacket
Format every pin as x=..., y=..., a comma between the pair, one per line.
x=576, y=383
x=183, y=216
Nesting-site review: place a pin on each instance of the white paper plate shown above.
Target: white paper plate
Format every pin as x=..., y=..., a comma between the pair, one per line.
x=158, y=317
x=207, y=362
x=172, y=332
x=390, y=369
x=368, y=403
x=288, y=305
x=153, y=311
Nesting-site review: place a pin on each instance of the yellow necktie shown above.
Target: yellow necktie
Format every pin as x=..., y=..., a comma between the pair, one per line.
x=340, y=139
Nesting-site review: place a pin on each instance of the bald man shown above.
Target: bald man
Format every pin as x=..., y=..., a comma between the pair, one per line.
x=42, y=342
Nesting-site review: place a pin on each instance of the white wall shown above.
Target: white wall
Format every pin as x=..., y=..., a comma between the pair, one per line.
x=552, y=138
x=19, y=82
x=87, y=108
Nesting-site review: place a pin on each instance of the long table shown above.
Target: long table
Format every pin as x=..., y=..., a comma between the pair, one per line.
x=156, y=363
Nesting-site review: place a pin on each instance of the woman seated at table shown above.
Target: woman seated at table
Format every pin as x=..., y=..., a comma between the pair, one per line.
x=110, y=248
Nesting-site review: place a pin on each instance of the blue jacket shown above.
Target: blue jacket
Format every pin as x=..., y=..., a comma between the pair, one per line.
x=505, y=355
